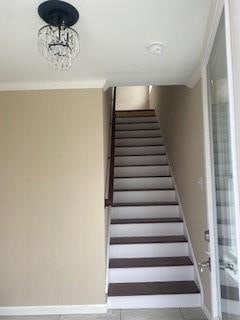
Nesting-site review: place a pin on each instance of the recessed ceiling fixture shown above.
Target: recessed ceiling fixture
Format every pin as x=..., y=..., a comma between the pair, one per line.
x=156, y=48
x=57, y=41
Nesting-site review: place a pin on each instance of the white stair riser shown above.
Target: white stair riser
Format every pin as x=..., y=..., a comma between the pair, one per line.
x=155, y=301
x=138, y=142
x=146, y=229
x=145, y=211
x=141, y=171
x=133, y=126
x=148, y=250
x=139, y=150
x=144, y=196
x=151, y=274
x=137, y=133
x=135, y=119
x=135, y=183
x=137, y=160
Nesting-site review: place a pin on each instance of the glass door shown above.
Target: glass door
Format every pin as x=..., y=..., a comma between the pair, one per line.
x=223, y=177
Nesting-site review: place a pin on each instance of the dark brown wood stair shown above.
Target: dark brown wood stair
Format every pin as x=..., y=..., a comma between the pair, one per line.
x=149, y=262
x=140, y=204
x=145, y=220
x=152, y=239
x=152, y=288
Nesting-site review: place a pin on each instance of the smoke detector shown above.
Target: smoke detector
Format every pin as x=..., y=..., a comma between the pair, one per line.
x=156, y=48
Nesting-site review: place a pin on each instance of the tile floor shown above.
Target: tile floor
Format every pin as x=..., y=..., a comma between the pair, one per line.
x=139, y=314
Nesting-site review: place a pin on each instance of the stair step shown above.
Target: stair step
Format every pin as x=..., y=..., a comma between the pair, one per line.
x=143, y=183
x=154, y=239
x=146, y=229
x=146, y=220
x=144, y=196
x=149, y=262
x=137, y=133
x=135, y=113
x=128, y=142
x=152, y=288
x=142, y=171
x=141, y=160
x=145, y=150
x=136, y=204
x=144, y=211
x=134, y=126
x=145, y=250
x=127, y=120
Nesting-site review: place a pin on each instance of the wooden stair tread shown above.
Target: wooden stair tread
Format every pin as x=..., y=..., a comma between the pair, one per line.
x=151, y=239
x=136, y=129
x=142, y=165
x=144, y=189
x=149, y=262
x=137, y=137
x=152, y=288
x=134, y=177
x=140, y=204
x=141, y=155
x=142, y=145
x=146, y=220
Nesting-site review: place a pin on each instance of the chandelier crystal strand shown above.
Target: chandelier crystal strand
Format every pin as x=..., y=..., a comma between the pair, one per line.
x=59, y=45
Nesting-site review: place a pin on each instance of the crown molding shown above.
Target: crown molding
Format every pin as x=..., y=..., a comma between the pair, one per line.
x=212, y=25
x=58, y=85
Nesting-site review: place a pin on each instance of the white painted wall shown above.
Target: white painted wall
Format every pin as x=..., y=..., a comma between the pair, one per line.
x=132, y=97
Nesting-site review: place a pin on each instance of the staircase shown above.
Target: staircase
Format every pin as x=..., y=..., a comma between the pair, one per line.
x=149, y=265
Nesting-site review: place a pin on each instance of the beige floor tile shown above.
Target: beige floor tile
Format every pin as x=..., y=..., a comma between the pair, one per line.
x=193, y=314
x=151, y=314
x=110, y=315
x=47, y=317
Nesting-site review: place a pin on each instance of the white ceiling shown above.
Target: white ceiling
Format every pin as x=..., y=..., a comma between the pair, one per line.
x=114, y=35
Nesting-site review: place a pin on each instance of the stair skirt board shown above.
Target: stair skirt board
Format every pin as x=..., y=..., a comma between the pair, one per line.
x=151, y=274
x=145, y=250
x=144, y=183
x=155, y=301
x=140, y=160
x=144, y=211
x=146, y=229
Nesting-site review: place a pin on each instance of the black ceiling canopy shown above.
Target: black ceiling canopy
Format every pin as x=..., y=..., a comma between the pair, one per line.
x=57, y=13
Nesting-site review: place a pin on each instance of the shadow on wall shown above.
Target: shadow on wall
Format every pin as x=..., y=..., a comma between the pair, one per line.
x=132, y=98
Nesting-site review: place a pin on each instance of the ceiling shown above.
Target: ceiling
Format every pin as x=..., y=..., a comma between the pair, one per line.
x=114, y=36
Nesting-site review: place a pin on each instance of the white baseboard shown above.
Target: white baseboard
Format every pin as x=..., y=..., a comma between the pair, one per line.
x=51, y=310
x=206, y=312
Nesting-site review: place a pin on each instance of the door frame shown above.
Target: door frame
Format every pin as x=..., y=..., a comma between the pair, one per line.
x=221, y=6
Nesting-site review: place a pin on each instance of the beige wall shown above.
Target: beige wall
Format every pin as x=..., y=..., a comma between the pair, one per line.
x=52, y=237
x=180, y=114
x=132, y=97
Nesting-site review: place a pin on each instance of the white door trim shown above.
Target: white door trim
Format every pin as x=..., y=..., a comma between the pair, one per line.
x=213, y=246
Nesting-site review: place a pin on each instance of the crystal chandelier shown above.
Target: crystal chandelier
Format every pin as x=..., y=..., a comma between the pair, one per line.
x=57, y=41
